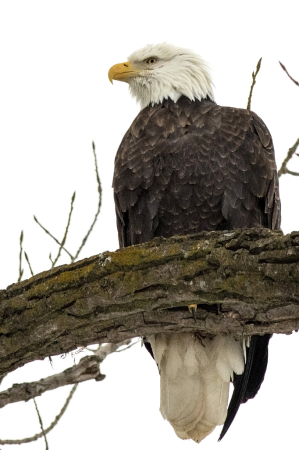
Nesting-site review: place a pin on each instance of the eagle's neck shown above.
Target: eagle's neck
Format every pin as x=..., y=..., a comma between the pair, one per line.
x=190, y=80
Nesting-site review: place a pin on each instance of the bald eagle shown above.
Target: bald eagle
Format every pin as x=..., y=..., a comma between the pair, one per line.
x=187, y=165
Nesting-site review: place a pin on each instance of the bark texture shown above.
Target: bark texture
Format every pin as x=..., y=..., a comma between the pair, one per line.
x=244, y=281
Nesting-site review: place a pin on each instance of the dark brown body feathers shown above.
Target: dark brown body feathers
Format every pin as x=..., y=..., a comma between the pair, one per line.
x=194, y=166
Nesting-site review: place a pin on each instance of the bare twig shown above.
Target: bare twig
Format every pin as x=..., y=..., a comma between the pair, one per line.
x=41, y=424
x=86, y=369
x=47, y=430
x=99, y=205
x=291, y=78
x=106, y=349
x=254, y=75
x=283, y=169
x=28, y=262
x=53, y=237
x=66, y=230
x=21, y=271
x=128, y=346
x=50, y=258
x=61, y=244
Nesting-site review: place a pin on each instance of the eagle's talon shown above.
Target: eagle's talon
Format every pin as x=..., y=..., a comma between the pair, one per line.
x=192, y=309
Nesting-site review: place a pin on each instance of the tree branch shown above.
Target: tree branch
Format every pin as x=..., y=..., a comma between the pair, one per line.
x=244, y=281
x=54, y=238
x=99, y=205
x=87, y=369
x=66, y=230
x=283, y=169
x=291, y=78
x=254, y=75
x=41, y=424
x=21, y=271
x=47, y=430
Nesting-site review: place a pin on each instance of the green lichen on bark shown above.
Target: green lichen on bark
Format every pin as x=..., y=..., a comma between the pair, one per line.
x=244, y=281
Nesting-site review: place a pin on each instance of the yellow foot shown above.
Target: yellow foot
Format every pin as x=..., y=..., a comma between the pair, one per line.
x=192, y=309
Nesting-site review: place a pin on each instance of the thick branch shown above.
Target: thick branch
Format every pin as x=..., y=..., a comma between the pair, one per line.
x=245, y=281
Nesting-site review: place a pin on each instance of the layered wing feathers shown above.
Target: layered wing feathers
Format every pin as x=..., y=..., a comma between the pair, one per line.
x=189, y=166
x=183, y=168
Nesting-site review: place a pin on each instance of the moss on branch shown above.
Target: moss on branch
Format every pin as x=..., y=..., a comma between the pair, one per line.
x=244, y=281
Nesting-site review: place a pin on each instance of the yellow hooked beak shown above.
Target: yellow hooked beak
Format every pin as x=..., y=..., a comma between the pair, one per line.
x=122, y=72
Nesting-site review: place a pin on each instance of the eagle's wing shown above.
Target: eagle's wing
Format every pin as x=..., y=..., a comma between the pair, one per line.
x=247, y=385
x=190, y=166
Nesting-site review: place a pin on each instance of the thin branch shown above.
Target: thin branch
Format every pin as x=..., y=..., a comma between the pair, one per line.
x=291, y=172
x=50, y=258
x=66, y=230
x=21, y=271
x=106, y=349
x=28, y=262
x=86, y=369
x=291, y=78
x=254, y=75
x=41, y=424
x=99, y=204
x=91, y=370
x=61, y=244
x=47, y=430
x=53, y=237
x=128, y=346
x=283, y=169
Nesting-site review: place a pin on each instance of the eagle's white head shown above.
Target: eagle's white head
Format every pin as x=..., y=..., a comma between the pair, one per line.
x=162, y=71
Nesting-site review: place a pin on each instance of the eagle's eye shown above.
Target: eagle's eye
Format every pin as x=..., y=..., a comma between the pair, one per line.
x=151, y=60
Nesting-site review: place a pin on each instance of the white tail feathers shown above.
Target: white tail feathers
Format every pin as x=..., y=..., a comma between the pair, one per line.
x=195, y=376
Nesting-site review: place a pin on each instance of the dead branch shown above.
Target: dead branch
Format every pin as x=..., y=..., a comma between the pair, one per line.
x=47, y=430
x=86, y=369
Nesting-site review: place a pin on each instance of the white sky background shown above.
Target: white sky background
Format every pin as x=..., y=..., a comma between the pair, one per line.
x=55, y=98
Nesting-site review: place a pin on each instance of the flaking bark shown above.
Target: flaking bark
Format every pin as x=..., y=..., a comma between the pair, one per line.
x=244, y=281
